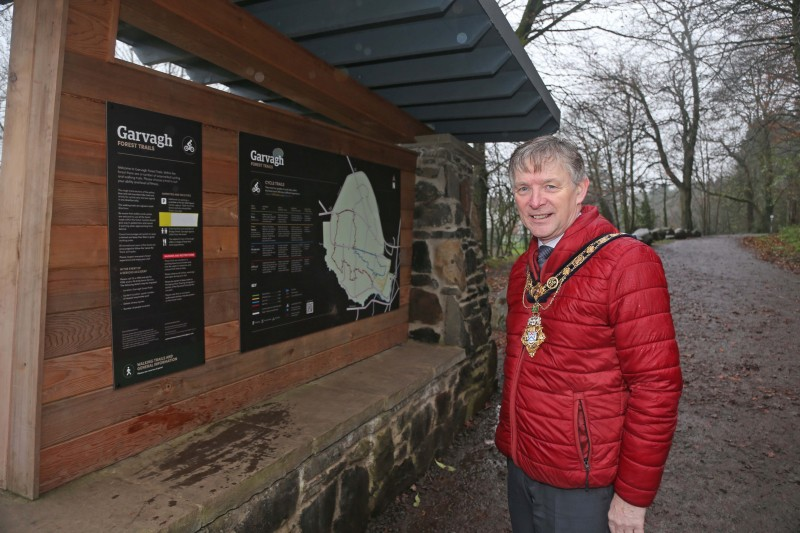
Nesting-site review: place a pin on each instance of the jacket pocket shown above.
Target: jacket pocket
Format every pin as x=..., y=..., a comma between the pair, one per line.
x=583, y=437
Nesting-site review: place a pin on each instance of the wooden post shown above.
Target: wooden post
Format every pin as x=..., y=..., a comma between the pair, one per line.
x=26, y=182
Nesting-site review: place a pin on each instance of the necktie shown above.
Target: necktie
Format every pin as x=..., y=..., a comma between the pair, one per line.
x=544, y=253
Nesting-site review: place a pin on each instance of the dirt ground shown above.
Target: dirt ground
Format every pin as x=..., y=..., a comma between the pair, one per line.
x=735, y=461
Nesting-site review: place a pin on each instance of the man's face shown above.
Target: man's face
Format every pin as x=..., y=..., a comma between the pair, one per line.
x=548, y=202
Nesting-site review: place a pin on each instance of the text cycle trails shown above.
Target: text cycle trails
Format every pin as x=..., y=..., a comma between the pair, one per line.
x=155, y=243
x=322, y=246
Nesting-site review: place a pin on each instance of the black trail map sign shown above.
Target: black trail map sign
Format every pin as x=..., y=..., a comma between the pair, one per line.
x=155, y=243
x=319, y=240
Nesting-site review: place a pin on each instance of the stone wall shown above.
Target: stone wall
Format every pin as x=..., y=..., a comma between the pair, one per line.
x=449, y=302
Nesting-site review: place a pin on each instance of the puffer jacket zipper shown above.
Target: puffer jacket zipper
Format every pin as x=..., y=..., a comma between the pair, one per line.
x=583, y=427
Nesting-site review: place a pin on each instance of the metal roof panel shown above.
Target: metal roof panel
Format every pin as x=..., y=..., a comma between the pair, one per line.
x=455, y=65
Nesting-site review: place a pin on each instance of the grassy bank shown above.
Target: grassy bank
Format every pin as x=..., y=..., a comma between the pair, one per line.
x=782, y=249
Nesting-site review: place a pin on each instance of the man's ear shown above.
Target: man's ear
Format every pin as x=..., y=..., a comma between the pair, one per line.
x=583, y=188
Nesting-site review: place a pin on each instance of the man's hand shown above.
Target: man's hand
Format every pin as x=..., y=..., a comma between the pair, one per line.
x=624, y=517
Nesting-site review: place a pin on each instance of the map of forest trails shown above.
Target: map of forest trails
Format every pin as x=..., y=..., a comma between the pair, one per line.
x=354, y=243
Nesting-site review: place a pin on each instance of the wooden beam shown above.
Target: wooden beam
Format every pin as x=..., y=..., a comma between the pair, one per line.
x=229, y=37
x=29, y=153
x=93, y=27
x=89, y=83
x=78, y=415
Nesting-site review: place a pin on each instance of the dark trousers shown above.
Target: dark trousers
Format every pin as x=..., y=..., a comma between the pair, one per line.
x=538, y=508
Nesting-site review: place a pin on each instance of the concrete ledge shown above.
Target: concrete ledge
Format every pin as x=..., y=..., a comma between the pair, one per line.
x=188, y=482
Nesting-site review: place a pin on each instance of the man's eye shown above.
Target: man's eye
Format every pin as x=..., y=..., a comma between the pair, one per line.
x=521, y=190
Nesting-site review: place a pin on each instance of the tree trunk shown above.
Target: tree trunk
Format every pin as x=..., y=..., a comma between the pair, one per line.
x=796, y=39
x=686, y=208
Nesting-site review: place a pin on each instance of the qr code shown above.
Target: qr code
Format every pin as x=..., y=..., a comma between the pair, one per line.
x=309, y=307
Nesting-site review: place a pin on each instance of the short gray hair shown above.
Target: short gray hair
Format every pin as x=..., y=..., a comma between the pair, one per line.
x=532, y=155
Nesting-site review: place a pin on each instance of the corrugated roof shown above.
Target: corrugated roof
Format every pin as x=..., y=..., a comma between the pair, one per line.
x=455, y=65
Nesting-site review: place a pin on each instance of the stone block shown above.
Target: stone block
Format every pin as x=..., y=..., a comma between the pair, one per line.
x=470, y=261
x=459, y=217
x=644, y=235
x=448, y=263
x=424, y=335
x=443, y=403
x=454, y=332
x=424, y=280
x=318, y=516
x=453, y=185
x=420, y=427
x=384, y=454
x=353, y=501
x=322, y=470
x=424, y=307
x=395, y=482
x=425, y=192
x=479, y=331
x=477, y=281
x=432, y=215
x=420, y=257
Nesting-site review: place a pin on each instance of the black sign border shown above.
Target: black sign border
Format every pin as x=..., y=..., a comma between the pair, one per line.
x=162, y=357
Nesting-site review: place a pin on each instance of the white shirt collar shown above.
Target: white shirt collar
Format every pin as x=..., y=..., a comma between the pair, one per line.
x=552, y=242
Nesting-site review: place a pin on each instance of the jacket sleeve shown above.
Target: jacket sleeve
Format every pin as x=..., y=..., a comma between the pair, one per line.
x=648, y=357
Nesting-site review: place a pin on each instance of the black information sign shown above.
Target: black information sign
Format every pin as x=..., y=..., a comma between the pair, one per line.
x=155, y=238
x=319, y=240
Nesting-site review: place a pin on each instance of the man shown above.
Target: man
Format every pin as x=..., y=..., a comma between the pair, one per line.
x=592, y=377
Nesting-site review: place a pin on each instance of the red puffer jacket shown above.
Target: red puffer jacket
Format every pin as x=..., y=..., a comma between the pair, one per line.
x=598, y=403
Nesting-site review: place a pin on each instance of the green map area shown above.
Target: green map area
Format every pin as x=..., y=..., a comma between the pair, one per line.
x=355, y=249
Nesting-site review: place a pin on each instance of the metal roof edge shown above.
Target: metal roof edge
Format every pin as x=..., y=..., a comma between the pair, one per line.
x=518, y=52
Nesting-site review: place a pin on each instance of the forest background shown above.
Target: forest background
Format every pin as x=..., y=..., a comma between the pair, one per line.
x=686, y=111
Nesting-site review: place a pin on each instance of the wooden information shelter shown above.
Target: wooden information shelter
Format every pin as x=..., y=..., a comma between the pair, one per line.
x=60, y=415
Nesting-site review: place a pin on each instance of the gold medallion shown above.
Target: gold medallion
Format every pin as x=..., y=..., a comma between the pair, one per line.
x=533, y=334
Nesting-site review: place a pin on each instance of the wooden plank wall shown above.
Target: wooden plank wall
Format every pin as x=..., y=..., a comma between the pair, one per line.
x=86, y=424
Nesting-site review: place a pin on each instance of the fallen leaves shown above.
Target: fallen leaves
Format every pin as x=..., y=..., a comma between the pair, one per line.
x=444, y=466
x=772, y=249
